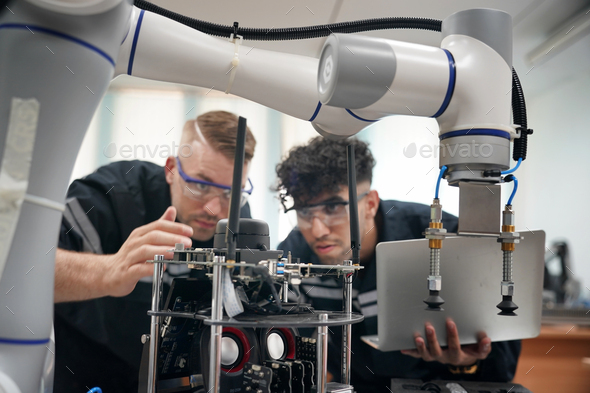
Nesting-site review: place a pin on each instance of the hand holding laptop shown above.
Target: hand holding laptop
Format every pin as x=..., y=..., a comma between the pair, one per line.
x=454, y=353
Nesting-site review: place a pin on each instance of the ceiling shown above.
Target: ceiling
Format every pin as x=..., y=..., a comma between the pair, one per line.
x=534, y=21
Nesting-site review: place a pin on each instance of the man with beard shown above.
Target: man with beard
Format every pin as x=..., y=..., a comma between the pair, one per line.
x=313, y=182
x=117, y=218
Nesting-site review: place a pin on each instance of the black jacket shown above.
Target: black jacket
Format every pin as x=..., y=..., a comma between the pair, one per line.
x=373, y=369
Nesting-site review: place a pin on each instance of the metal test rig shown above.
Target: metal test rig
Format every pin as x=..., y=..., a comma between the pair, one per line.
x=247, y=264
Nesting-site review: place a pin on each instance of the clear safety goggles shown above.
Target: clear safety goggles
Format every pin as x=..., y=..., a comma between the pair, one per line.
x=204, y=191
x=331, y=213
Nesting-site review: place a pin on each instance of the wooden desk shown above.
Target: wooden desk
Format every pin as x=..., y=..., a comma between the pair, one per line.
x=555, y=361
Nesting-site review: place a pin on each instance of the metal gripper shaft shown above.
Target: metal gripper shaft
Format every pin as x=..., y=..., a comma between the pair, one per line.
x=509, y=237
x=435, y=234
x=435, y=261
x=507, y=265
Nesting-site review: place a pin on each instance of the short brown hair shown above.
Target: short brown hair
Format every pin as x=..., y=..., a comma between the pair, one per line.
x=220, y=130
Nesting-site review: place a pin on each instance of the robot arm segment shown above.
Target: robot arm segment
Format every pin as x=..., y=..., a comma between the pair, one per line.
x=378, y=77
x=160, y=49
x=465, y=85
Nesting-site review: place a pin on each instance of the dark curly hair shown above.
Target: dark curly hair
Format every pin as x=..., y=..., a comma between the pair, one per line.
x=321, y=166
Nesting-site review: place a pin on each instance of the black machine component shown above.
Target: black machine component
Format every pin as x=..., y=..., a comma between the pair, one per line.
x=174, y=357
x=253, y=244
x=176, y=354
x=253, y=240
x=556, y=274
x=265, y=360
x=281, y=376
x=179, y=335
x=257, y=379
x=308, y=375
x=306, y=349
x=559, y=280
x=297, y=376
x=414, y=385
x=253, y=234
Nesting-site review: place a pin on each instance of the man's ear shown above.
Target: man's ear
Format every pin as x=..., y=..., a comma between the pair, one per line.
x=372, y=204
x=170, y=169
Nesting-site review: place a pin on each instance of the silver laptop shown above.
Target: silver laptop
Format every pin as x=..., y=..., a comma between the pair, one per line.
x=471, y=270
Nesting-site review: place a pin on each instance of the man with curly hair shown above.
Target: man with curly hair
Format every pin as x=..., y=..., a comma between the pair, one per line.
x=313, y=181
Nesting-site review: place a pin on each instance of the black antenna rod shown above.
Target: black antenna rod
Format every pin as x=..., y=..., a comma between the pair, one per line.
x=233, y=222
x=355, y=237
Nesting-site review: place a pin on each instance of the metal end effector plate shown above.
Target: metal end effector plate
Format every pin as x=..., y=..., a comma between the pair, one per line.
x=479, y=205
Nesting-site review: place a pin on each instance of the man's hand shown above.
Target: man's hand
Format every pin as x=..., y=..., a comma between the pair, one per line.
x=83, y=276
x=454, y=354
x=126, y=267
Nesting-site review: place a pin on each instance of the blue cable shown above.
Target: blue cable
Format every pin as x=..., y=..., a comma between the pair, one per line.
x=509, y=171
x=440, y=175
x=95, y=390
x=513, y=191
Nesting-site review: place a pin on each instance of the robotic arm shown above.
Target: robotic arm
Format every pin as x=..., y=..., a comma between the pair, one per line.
x=60, y=55
x=465, y=85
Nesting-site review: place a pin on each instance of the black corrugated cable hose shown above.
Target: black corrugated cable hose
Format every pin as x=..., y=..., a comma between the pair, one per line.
x=301, y=33
x=294, y=33
x=519, y=116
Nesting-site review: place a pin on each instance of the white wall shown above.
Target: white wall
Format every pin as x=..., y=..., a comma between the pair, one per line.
x=555, y=182
x=129, y=125
x=406, y=151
